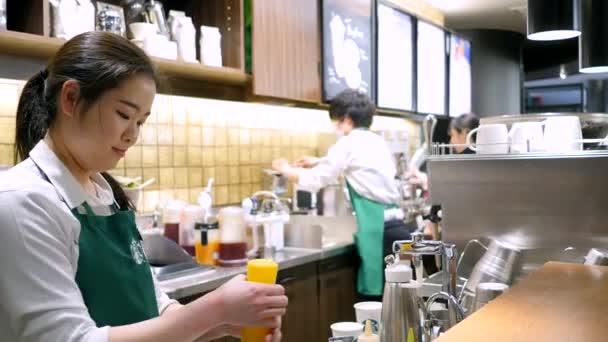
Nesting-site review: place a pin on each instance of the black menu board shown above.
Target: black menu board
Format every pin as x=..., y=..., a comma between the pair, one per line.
x=395, y=59
x=347, y=46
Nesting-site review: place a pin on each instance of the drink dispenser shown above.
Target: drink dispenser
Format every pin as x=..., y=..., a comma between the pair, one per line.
x=233, y=237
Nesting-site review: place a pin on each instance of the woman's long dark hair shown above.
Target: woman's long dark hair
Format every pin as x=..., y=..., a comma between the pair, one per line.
x=99, y=62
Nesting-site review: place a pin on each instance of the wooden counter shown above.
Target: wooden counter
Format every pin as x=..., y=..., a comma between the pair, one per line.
x=557, y=303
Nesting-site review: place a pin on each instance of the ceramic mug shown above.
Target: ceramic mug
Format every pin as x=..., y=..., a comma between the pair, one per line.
x=491, y=139
x=561, y=134
x=526, y=137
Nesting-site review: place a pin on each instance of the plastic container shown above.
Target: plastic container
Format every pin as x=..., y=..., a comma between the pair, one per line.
x=233, y=237
x=171, y=217
x=206, y=243
x=211, y=46
x=190, y=216
x=259, y=271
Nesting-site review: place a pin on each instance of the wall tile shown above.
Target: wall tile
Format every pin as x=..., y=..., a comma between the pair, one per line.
x=150, y=156
x=286, y=138
x=181, y=177
x=208, y=172
x=233, y=156
x=221, y=156
x=195, y=156
x=167, y=179
x=7, y=129
x=245, y=190
x=245, y=174
x=221, y=136
x=165, y=156
x=165, y=135
x=195, y=136
x=195, y=177
x=180, y=135
x=256, y=137
x=179, y=156
x=266, y=137
x=222, y=195
x=275, y=138
x=221, y=175
x=256, y=155
x=186, y=141
x=244, y=137
x=208, y=156
x=9, y=98
x=233, y=136
x=134, y=157
x=244, y=156
x=148, y=134
x=266, y=156
x=234, y=195
x=233, y=175
x=208, y=136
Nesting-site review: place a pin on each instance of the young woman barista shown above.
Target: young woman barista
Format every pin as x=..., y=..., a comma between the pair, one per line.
x=73, y=267
x=365, y=161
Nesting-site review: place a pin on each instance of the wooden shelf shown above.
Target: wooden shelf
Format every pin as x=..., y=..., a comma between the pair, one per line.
x=36, y=46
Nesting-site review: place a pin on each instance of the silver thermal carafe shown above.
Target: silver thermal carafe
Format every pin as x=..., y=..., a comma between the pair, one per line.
x=401, y=306
x=154, y=13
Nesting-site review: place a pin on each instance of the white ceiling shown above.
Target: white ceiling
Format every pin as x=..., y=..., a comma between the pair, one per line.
x=484, y=14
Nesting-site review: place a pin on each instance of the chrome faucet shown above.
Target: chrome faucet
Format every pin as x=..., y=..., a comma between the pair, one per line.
x=417, y=247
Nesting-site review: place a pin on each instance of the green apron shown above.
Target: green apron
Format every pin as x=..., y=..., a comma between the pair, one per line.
x=369, y=240
x=113, y=273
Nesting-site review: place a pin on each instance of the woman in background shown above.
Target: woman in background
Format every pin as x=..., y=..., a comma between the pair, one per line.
x=458, y=131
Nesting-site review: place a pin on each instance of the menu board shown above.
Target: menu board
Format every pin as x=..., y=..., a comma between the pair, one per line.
x=460, y=76
x=347, y=46
x=431, y=69
x=395, y=59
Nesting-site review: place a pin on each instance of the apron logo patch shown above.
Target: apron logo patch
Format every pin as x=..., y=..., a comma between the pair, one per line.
x=137, y=252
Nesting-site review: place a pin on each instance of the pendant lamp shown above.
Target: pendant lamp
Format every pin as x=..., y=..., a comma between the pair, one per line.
x=553, y=19
x=592, y=46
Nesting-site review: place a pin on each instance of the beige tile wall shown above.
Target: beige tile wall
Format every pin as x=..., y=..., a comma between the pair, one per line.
x=188, y=140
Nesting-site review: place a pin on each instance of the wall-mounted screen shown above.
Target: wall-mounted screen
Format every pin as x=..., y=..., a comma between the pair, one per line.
x=347, y=46
x=395, y=59
x=460, y=76
x=431, y=76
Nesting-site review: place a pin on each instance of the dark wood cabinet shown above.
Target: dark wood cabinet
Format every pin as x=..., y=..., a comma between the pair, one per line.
x=286, y=49
x=337, y=293
x=301, y=322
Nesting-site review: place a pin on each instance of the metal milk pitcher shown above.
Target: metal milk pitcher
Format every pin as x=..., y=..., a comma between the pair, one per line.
x=401, y=304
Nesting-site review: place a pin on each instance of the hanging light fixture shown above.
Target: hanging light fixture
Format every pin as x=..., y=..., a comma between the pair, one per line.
x=592, y=47
x=553, y=19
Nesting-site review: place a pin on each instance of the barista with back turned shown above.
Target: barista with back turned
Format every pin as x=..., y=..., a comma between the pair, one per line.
x=366, y=162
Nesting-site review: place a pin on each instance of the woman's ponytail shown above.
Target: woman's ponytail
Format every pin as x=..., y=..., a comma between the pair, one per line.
x=33, y=116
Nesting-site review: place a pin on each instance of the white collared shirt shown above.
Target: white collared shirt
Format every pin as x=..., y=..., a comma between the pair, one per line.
x=364, y=159
x=39, y=298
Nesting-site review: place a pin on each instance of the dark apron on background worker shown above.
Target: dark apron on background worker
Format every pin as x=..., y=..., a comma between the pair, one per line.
x=371, y=243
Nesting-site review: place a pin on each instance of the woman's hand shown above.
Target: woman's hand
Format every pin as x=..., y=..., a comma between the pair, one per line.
x=276, y=333
x=307, y=161
x=281, y=165
x=245, y=303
